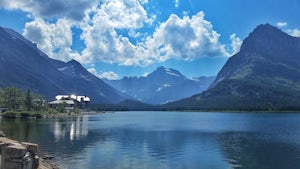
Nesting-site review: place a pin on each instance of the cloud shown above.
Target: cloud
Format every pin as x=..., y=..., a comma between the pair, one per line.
x=93, y=71
x=55, y=39
x=176, y=3
x=236, y=43
x=105, y=27
x=103, y=43
x=110, y=75
x=185, y=38
x=123, y=13
x=71, y=9
x=281, y=24
x=294, y=32
x=145, y=74
x=144, y=1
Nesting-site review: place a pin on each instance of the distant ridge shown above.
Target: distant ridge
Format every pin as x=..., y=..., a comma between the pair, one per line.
x=263, y=75
x=161, y=86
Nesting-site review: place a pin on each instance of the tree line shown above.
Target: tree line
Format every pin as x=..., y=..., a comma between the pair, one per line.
x=15, y=99
x=26, y=104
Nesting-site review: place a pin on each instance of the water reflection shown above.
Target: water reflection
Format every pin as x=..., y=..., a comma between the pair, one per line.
x=75, y=129
x=166, y=140
x=250, y=150
x=127, y=147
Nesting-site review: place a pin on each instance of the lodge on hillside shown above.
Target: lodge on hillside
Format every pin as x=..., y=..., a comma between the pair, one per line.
x=71, y=102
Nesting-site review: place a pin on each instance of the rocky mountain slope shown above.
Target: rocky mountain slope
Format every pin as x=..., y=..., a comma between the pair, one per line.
x=264, y=75
x=23, y=65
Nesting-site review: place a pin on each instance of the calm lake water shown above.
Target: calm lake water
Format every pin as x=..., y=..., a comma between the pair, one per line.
x=166, y=140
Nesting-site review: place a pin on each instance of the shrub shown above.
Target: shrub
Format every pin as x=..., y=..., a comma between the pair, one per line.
x=9, y=114
x=37, y=115
x=76, y=111
x=25, y=114
x=51, y=111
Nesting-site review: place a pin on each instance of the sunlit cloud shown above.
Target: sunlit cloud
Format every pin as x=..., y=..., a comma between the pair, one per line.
x=281, y=24
x=294, y=32
x=236, y=43
x=176, y=3
x=183, y=38
x=55, y=39
x=110, y=75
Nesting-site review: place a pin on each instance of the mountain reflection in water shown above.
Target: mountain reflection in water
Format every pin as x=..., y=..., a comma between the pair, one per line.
x=167, y=140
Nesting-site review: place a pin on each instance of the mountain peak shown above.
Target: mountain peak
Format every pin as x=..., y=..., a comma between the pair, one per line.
x=266, y=45
x=273, y=39
x=164, y=72
x=161, y=67
x=262, y=76
x=265, y=27
x=74, y=63
x=267, y=31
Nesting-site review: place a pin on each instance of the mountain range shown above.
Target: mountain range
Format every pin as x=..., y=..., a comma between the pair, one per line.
x=161, y=86
x=24, y=66
x=263, y=75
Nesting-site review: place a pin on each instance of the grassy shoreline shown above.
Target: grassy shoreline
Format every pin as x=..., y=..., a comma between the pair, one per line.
x=23, y=114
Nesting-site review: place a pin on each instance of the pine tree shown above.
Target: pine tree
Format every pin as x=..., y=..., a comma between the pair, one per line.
x=12, y=98
x=28, y=100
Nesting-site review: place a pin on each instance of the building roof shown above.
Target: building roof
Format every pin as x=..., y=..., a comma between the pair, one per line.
x=73, y=97
x=69, y=102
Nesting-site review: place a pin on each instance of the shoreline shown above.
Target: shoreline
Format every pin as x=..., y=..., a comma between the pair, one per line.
x=25, y=155
x=44, y=160
x=47, y=161
x=57, y=115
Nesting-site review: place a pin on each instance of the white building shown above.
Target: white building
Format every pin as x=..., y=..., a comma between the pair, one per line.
x=71, y=102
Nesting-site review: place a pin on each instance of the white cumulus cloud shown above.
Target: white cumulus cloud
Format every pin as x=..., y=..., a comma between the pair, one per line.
x=185, y=38
x=294, y=32
x=281, y=24
x=105, y=28
x=55, y=39
x=123, y=13
x=102, y=41
x=236, y=43
x=110, y=75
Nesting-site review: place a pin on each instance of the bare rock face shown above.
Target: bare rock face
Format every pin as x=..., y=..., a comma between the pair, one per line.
x=16, y=155
x=2, y=134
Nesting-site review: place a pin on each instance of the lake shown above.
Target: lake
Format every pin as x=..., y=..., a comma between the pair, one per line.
x=166, y=140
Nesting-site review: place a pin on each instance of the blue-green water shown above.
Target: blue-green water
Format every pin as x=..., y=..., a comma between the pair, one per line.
x=166, y=140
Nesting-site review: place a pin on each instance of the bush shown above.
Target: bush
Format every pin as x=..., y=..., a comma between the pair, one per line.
x=76, y=111
x=9, y=114
x=25, y=114
x=37, y=115
x=51, y=111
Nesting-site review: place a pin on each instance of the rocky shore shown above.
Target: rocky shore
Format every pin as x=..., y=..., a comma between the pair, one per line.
x=22, y=155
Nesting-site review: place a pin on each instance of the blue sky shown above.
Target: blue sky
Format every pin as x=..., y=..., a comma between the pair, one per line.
x=116, y=38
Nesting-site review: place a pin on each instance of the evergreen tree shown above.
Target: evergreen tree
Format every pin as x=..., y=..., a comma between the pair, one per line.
x=12, y=98
x=28, y=100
